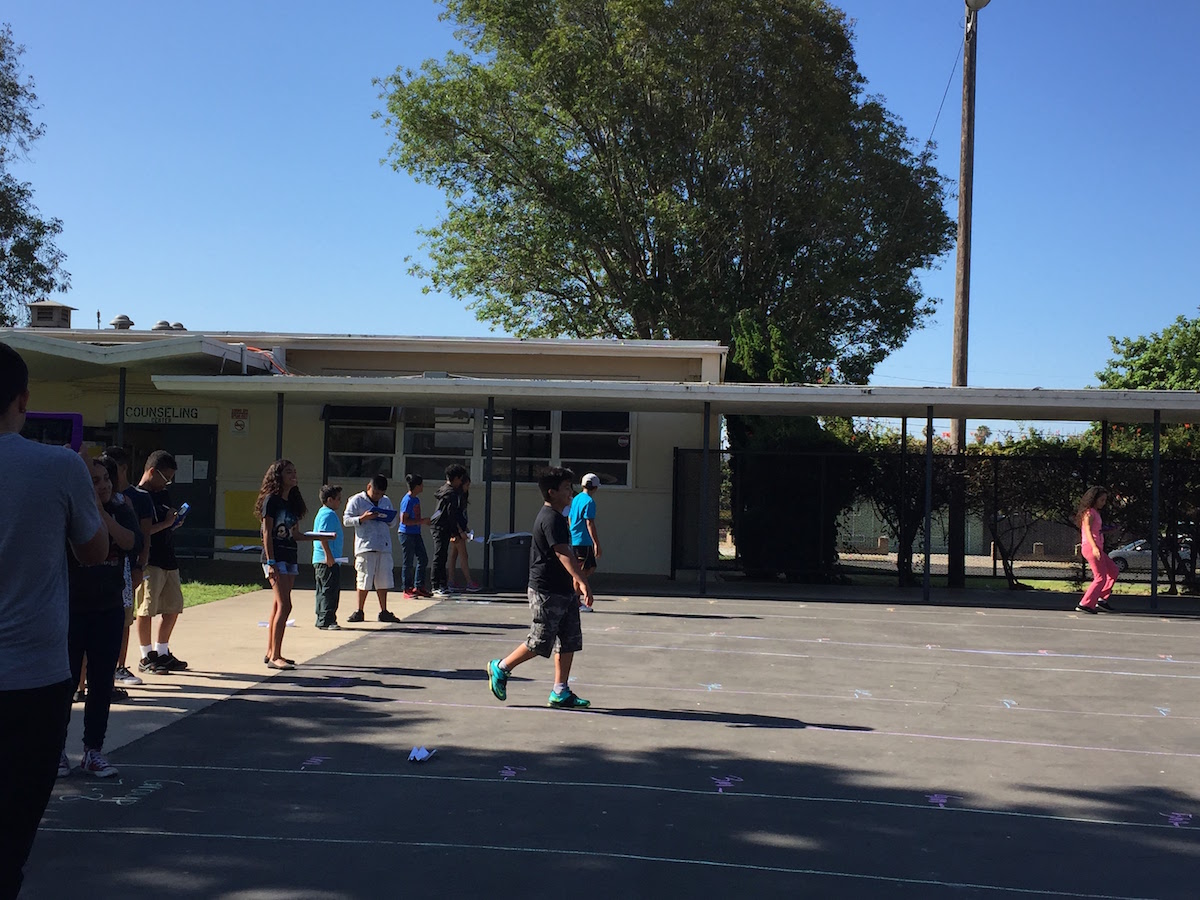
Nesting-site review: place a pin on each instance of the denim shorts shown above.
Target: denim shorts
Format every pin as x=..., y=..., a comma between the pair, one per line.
x=282, y=568
x=556, y=626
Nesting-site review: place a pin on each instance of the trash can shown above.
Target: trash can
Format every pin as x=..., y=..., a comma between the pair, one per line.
x=510, y=561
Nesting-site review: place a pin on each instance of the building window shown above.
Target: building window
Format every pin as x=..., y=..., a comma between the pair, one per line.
x=360, y=441
x=597, y=442
x=436, y=438
x=534, y=445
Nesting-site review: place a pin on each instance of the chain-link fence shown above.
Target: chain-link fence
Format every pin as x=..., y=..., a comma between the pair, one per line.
x=861, y=517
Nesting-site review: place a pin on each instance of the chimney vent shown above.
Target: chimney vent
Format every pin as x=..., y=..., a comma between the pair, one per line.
x=122, y=323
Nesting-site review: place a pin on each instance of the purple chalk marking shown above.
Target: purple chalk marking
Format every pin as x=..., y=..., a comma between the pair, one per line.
x=715, y=686
x=940, y=800
x=1179, y=820
x=724, y=781
x=511, y=772
x=314, y=761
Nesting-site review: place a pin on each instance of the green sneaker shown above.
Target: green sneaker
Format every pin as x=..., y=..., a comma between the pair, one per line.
x=497, y=680
x=567, y=701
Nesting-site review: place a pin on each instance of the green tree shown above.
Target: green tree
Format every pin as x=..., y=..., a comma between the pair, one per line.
x=1166, y=360
x=697, y=169
x=30, y=263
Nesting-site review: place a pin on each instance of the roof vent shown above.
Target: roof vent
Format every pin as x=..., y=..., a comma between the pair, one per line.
x=176, y=326
x=122, y=323
x=161, y=325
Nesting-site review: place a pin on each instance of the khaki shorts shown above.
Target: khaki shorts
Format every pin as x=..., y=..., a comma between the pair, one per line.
x=159, y=592
x=373, y=571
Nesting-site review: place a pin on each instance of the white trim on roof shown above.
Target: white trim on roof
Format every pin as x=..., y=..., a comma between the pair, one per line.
x=106, y=354
x=1018, y=404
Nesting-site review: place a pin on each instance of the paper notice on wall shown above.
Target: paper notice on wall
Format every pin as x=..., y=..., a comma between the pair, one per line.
x=200, y=470
x=185, y=474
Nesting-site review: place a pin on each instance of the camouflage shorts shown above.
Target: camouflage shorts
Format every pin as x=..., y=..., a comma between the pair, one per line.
x=556, y=626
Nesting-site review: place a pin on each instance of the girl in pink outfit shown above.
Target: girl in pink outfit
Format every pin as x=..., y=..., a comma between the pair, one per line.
x=1104, y=570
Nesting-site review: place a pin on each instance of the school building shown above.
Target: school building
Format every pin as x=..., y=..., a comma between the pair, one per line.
x=344, y=407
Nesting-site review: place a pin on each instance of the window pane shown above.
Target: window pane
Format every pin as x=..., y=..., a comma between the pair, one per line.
x=527, y=469
x=346, y=466
x=595, y=446
x=351, y=439
x=431, y=468
x=610, y=472
x=443, y=415
x=439, y=441
x=528, y=444
x=595, y=421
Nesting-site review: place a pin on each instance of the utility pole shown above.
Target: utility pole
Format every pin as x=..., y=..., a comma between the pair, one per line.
x=956, y=539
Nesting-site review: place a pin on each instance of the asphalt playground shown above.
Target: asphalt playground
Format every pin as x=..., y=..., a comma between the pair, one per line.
x=736, y=747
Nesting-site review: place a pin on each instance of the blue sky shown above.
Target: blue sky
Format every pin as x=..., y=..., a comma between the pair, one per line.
x=216, y=163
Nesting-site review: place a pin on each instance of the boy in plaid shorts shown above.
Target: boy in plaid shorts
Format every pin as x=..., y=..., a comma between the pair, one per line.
x=556, y=584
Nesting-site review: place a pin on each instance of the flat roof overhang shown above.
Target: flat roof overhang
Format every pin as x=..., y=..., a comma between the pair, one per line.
x=54, y=358
x=1016, y=404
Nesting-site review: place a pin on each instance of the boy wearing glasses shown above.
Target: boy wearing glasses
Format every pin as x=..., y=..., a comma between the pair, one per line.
x=160, y=593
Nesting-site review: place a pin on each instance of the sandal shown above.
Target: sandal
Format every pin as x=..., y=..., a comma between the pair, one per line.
x=290, y=662
x=282, y=665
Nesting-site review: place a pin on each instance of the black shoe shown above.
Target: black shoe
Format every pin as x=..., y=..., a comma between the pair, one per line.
x=172, y=664
x=151, y=663
x=80, y=696
x=387, y=616
x=332, y=626
x=1091, y=610
x=1103, y=606
x=119, y=695
x=356, y=616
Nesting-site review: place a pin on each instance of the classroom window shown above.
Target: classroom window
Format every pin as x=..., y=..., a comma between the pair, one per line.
x=598, y=442
x=533, y=445
x=435, y=438
x=359, y=450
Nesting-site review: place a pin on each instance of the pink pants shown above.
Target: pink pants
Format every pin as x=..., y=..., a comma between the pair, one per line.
x=1104, y=576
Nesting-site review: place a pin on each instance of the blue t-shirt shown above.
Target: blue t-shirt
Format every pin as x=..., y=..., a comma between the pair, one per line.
x=410, y=505
x=327, y=520
x=583, y=507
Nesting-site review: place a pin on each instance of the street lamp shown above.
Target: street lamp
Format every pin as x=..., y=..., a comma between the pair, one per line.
x=956, y=556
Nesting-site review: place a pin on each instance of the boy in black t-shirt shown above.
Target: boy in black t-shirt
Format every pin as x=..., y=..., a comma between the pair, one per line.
x=554, y=579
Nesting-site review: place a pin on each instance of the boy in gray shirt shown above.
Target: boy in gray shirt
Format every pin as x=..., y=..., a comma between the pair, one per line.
x=47, y=502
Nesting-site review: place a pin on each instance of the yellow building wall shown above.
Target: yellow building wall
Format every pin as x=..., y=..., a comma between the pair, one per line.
x=634, y=522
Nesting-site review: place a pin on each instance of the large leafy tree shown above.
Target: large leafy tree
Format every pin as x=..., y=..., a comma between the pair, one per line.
x=1166, y=360
x=698, y=169
x=30, y=263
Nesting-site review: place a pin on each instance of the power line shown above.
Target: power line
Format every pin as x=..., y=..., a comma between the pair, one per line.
x=946, y=93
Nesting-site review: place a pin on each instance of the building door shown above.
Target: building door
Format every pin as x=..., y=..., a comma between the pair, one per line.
x=195, y=450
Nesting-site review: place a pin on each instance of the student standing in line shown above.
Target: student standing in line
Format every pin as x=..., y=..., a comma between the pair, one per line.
x=97, y=618
x=53, y=484
x=555, y=585
x=585, y=538
x=445, y=525
x=281, y=508
x=1104, y=570
x=143, y=508
x=160, y=593
x=460, y=545
x=413, y=556
x=372, y=546
x=325, y=556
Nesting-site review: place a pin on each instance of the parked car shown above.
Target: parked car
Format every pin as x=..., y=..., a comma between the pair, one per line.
x=1135, y=556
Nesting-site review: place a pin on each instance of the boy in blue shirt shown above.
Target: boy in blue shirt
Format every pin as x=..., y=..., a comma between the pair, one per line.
x=326, y=553
x=585, y=539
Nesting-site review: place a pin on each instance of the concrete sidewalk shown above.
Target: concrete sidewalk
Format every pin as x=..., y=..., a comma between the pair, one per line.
x=223, y=643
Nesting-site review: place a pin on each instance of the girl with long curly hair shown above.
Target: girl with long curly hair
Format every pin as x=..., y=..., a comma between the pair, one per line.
x=1104, y=570
x=281, y=508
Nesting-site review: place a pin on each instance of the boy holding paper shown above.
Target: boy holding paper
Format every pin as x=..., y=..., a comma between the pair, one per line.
x=372, y=517
x=327, y=557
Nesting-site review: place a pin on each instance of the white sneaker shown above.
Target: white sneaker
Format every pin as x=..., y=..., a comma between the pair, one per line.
x=94, y=763
x=64, y=767
x=124, y=676
x=441, y=592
